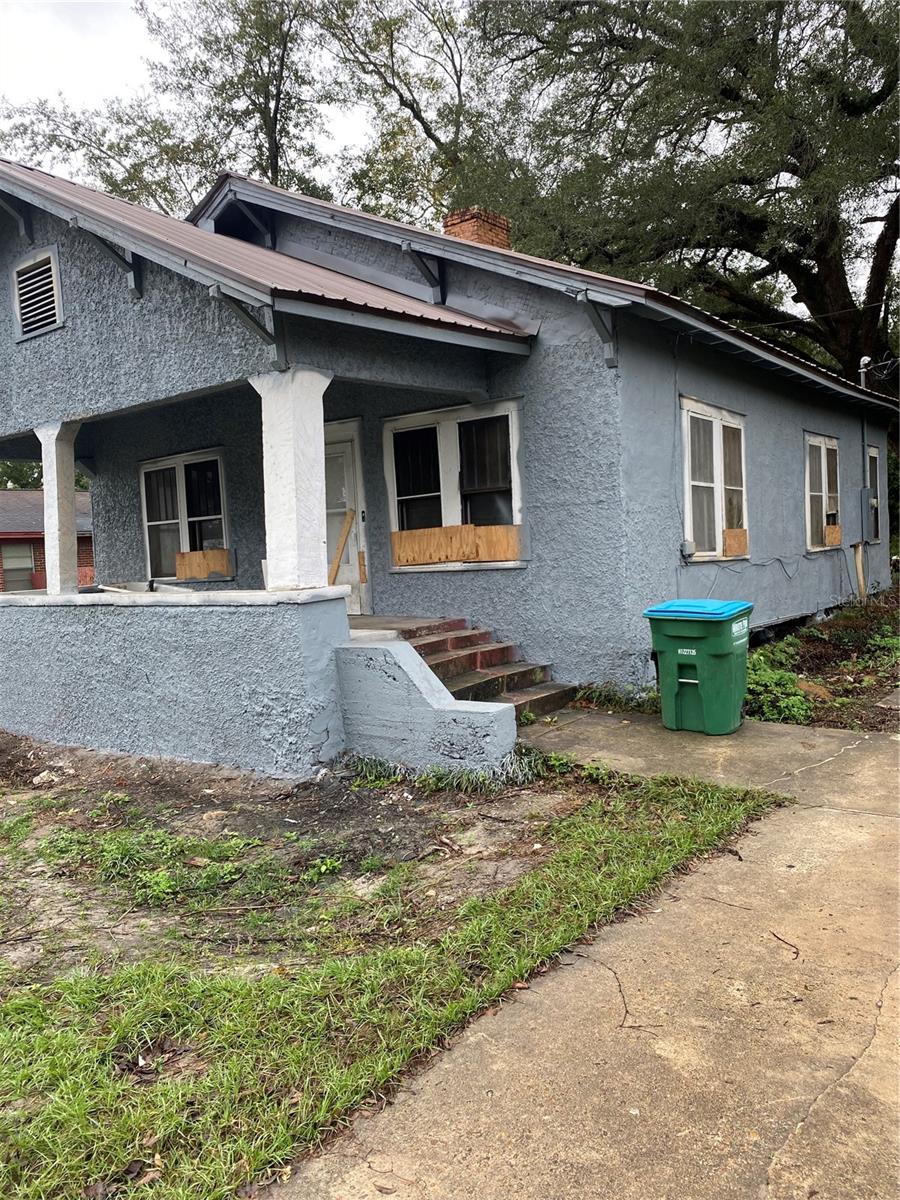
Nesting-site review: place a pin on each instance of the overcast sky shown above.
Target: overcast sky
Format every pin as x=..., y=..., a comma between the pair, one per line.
x=93, y=50
x=87, y=49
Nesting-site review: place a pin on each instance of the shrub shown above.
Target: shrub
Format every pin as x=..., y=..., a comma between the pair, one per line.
x=772, y=691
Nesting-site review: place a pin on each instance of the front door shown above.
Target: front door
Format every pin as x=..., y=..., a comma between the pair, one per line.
x=345, y=503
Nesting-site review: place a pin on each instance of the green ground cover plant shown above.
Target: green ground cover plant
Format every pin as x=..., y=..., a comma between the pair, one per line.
x=115, y=1078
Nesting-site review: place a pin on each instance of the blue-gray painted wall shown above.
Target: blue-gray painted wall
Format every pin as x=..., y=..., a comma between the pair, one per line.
x=246, y=685
x=601, y=458
x=780, y=577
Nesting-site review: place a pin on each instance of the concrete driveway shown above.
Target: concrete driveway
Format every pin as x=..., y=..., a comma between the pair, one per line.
x=737, y=1040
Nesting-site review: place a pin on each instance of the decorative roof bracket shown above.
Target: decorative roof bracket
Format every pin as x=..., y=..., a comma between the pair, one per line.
x=604, y=322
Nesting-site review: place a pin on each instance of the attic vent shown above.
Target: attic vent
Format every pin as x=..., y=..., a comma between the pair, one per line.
x=37, y=294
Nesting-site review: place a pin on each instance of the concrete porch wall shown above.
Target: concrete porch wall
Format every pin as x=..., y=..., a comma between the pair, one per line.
x=245, y=681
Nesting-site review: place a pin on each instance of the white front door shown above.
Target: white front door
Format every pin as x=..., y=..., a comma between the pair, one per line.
x=343, y=497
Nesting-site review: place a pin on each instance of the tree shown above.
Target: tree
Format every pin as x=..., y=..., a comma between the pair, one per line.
x=238, y=87
x=29, y=475
x=741, y=155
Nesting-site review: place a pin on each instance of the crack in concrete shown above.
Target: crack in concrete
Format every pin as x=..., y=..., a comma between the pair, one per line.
x=811, y=766
x=832, y=1084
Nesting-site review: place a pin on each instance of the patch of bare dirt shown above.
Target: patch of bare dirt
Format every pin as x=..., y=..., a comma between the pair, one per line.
x=56, y=918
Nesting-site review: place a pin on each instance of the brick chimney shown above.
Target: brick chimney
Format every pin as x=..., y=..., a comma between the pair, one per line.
x=477, y=224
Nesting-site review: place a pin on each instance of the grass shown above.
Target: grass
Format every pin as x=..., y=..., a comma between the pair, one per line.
x=274, y=1062
x=522, y=766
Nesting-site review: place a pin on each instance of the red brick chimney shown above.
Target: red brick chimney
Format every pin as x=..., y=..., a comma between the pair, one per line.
x=477, y=224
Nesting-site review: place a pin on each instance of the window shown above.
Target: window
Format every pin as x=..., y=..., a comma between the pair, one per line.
x=715, y=517
x=874, y=496
x=455, y=470
x=823, y=518
x=184, y=509
x=418, y=475
x=18, y=564
x=37, y=293
x=485, y=471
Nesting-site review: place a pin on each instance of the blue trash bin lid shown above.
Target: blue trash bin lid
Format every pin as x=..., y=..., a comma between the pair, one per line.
x=699, y=610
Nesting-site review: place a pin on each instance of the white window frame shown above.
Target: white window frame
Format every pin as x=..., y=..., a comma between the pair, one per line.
x=446, y=420
x=719, y=417
x=22, y=265
x=181, y=461
x=824, y=442
x=874, y=499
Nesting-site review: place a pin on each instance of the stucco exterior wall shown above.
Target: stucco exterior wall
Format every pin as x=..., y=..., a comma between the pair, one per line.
x=781, y=577
x=112, y=352
x=563, y=605
x=246, y=685
x=227, y=422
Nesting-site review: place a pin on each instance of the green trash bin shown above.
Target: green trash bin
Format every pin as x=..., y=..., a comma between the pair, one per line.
x=701, y=652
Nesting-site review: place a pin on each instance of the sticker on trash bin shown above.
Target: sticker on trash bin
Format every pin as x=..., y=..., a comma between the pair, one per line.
x=740, y=628
x=691, y=653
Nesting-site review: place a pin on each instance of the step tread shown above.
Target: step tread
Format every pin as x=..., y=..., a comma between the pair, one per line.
x=537, y=691
x=443, y=656
x=472, y=678
x=422, y=643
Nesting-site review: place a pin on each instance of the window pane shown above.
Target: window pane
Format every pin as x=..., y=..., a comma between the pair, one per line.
x=203, y=493
x=422, y=513
x=701, y=450
x=731, y=453
x=16, y=556
x=335, y=481
x=335, y=523
x=484, y=455
x=734, y=508
x=815, y=467
x=832, y=468
x=488, y=508
x=161, y=491
x=165, y=542
x=816, y=521
x=206, y=535
x=873, y=496
x=416, y=463
x=704, y=517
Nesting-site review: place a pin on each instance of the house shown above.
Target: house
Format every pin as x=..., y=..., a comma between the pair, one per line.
x=290, y=411
x=22, y=540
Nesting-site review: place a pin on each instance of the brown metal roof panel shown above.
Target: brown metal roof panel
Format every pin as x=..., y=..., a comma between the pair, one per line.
x=241, y=262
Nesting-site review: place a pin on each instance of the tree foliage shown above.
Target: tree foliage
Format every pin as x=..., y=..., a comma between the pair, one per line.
x=741, y=155
x=237, y=85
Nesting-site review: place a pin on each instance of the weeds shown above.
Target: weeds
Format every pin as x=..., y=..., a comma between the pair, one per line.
x=280, y=1057
x=612, y=698
x=773, y=693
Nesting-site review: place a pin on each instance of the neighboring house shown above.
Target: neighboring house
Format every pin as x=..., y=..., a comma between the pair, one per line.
x=22, y=540
x=294, y=409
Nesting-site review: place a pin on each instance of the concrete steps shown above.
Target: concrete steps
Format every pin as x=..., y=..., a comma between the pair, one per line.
x=473, y=666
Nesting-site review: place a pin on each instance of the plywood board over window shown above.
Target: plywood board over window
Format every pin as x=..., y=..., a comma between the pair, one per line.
x=456, y=543
x=715, y=495
x=454, y=485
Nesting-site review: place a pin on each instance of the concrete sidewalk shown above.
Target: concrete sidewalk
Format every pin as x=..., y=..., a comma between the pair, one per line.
x=740, y=1040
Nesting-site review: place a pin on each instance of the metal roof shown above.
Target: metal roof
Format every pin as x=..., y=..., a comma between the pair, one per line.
x=670, y=311
x=22, y=511
x=259, y=275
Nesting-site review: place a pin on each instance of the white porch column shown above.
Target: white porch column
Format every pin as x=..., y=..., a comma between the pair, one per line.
x=60, y=536
x=293, y=436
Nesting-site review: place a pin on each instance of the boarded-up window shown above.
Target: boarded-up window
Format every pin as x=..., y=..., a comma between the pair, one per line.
x=822, y=492
x=715, y=499
x=417, y=470
x=485, y=473
x=184, y=510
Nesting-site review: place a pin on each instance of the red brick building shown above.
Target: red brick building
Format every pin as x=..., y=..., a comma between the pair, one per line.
x=22, y=540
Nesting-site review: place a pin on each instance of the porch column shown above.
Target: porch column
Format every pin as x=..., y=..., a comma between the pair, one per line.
x=293, y=437
x=60, y=536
